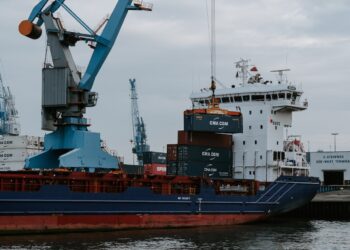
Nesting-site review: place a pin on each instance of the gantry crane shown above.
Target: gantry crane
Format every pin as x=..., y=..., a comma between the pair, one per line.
x=66, y=92
x=8, y=113
x=139, y=130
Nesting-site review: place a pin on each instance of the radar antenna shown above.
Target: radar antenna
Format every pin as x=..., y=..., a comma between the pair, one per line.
x=281, y=74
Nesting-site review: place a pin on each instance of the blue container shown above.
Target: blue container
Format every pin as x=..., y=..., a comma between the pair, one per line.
x=205, y=169
x=213, y=123
x=154, y=157
x=205, y=154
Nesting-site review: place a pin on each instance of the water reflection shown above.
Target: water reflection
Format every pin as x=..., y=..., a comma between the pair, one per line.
x=276, y=234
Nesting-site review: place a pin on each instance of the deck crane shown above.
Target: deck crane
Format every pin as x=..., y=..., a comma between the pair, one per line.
x=66, y=92
x=8, y=113
x=139, y=130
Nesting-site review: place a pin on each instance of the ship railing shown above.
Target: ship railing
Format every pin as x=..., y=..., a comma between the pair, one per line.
x=332, y=188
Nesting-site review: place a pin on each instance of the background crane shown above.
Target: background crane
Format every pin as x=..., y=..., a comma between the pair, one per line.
x=139, y=130
x=8, y=113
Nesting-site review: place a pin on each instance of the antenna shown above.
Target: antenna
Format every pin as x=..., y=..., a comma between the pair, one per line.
x=280, y=74
x=242, y=66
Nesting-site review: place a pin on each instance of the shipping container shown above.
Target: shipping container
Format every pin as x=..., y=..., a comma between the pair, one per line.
x=171, y=168
x=16, y=155
x=22, y=141
x=154, y=157
x=205, y=169
x=155, y=169
x=171, y=152
x=133, y=169
x=11, y=166
x=204, y=139
x=216, y=123
x=206, y=154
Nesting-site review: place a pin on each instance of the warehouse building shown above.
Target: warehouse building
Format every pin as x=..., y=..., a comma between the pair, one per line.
x=333, y=168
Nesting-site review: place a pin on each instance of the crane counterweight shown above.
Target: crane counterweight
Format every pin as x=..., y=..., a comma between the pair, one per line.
x=29, y=29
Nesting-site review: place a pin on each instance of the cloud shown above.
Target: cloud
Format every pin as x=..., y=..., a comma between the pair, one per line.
x=167, y=50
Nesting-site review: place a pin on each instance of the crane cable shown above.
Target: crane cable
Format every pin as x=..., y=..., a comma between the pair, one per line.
x=212, y=38
x=213, y=41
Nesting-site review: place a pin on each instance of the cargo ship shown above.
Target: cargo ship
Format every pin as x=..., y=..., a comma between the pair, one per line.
x=198, y=189
x=74, y=185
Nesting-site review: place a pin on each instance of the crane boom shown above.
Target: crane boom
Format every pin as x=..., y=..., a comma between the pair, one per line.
x=139, y=129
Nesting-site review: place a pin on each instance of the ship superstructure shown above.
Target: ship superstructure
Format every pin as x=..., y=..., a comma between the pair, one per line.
x=260, y=152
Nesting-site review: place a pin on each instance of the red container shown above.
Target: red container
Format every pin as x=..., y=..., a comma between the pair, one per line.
x=205, y=139
x=171, y=152
x=155, y=169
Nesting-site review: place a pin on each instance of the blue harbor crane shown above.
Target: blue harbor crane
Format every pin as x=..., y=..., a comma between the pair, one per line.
x=66, y=92
x=8, y=113
x=139, y=130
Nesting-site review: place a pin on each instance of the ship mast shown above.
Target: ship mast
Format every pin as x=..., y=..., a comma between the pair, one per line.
x=242, y=66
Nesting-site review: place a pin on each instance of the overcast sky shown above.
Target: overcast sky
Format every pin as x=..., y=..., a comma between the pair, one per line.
x=167, y=51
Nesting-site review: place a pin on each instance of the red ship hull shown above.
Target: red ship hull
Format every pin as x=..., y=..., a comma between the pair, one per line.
x=115, y=222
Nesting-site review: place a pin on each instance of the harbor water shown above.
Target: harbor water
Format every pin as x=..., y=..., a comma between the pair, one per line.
x=279, y=233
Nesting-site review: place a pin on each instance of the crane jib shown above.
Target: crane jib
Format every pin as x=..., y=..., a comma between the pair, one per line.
x=104, y=42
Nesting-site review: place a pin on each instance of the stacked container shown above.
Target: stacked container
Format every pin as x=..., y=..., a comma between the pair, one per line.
x=204, y=148
x=15, y=149
x=154, y=163
x=200, y=154
x=132, y=169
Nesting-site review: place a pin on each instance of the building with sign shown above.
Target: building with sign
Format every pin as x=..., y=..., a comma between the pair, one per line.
x=333, y=168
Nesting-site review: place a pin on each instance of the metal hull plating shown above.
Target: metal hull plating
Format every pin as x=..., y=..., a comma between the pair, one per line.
x=56, y=207
x=43, y=223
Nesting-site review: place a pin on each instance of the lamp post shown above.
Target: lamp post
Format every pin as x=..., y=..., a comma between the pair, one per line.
x=335, y=141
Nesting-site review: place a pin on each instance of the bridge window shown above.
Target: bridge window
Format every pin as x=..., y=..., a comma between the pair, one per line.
x=258, y=97
x=289, y=95
x=246, y=98
x=268, y=97
x=225, y=100
x=238, y=98
x=281, y=95
x=274, y=96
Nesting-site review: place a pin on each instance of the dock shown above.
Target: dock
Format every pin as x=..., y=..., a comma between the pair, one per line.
x=326, y=205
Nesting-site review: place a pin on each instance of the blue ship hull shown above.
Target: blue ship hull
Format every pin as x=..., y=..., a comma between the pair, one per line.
x=205, y=208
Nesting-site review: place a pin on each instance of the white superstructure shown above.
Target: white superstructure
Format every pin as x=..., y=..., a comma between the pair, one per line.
x=263, y=151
